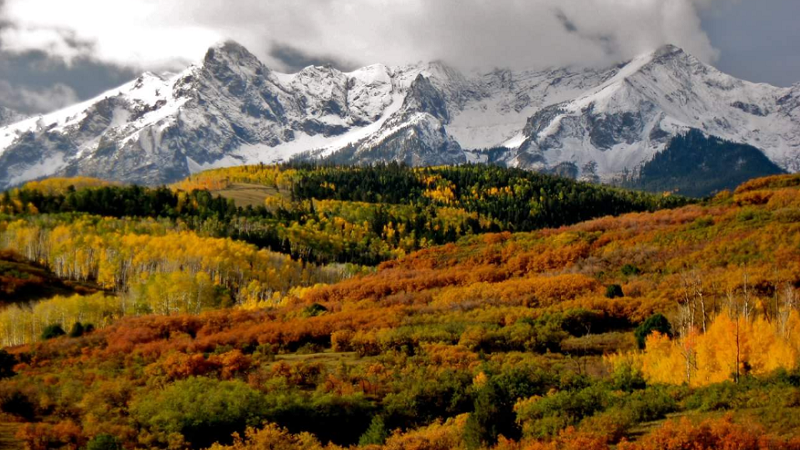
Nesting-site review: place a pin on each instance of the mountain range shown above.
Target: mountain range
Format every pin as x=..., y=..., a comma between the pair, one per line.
x=230, y=109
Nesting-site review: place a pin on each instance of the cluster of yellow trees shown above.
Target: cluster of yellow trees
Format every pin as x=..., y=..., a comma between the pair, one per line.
x=352, y=221
x=439, y=189
x=147, y=260
x=152, y=268
x=24, y=324
x=217, y=179
x=732, y=347
x=15, y=206
x=741, y=340
x=388, y=231
x=52, y=186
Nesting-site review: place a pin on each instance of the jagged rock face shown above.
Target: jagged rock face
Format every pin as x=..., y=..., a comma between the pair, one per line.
x=231, y=109
x=421, y=142
x=424, y=97
x=415, y=134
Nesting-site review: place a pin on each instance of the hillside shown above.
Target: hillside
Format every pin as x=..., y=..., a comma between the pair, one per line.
x=696, y=165
x=23, y=281
x=332, y=214
x=508, y=340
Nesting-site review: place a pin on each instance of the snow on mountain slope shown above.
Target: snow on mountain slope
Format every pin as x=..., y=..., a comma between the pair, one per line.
x=40, y=146
x=623, y=122
x=415, y=134
x=506, y=99
x=230, y=109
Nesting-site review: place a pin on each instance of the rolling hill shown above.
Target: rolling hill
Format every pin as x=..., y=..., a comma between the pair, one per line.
x=521, y=340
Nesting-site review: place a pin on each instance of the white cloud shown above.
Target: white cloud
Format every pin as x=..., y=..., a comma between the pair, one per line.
x=158, y=34
x=40, y=100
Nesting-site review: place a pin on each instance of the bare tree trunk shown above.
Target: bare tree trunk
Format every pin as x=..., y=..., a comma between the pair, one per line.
x=746, y=296
x=703, y=308
x=738, y=351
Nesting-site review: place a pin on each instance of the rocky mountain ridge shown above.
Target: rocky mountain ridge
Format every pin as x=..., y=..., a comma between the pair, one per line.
x=231, y=109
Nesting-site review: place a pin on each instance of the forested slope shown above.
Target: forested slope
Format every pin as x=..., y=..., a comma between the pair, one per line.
x=342, y=214
x=697, y=165
x=525, y=340
x=184, y=249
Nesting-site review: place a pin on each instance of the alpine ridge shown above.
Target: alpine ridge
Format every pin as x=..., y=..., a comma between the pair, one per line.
x=230, y=109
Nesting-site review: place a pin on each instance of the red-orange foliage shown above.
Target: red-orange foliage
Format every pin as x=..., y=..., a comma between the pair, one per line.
x=437, y=436
x=231, y=363
x=176, y=366
x=568, y=439
x=710, y=435
x=44, y=436
x=772, y=182
x=414, y=310
x=451, y=356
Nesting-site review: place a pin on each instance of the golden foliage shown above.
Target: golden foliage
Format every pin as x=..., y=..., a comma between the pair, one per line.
x=54, y=186
x=732, y=346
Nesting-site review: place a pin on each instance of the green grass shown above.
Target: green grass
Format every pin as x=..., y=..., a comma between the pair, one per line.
x=246, y=194
x=599, y=344
x=781, y=422
x=645, y=428
x=328, y=358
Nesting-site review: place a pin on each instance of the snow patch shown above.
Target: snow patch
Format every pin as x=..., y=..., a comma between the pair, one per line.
x=515, y=141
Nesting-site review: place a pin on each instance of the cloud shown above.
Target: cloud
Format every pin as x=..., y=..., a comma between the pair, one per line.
x=35, y=82
x=162, y=34
x=46, y=99
x=60, y=42
x=294, y=59
x=36, y=69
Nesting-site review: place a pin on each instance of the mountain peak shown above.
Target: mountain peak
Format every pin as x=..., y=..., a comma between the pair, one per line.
x=231, y=109
x=424, y=97
x=671, y=53
x=668, y=49
x=325, y=70
x=230, y=53
x=229, y=46
x=440, y=70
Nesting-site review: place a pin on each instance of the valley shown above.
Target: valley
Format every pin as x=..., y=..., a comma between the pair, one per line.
x=600, y=317
x=400, y=225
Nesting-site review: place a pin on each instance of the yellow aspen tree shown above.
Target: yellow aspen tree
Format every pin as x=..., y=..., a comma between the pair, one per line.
x=769, y=351
x=720, y=351
x=663, y=361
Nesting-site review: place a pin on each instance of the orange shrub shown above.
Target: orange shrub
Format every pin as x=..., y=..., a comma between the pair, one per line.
x=711, y=434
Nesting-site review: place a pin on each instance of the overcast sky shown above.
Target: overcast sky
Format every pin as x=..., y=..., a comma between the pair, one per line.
x=56, y=52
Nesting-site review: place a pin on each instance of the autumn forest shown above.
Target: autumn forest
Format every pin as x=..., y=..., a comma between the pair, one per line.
x=387, y=307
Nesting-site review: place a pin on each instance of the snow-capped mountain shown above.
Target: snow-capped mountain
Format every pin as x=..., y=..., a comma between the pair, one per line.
x=629, y=117
x=230, y=109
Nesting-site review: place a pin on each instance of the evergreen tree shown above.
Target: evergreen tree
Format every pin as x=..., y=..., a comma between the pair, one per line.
x=52, y=331
x=656, y=322
x=376, y=434
x=7, y=363
x=77, y=330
